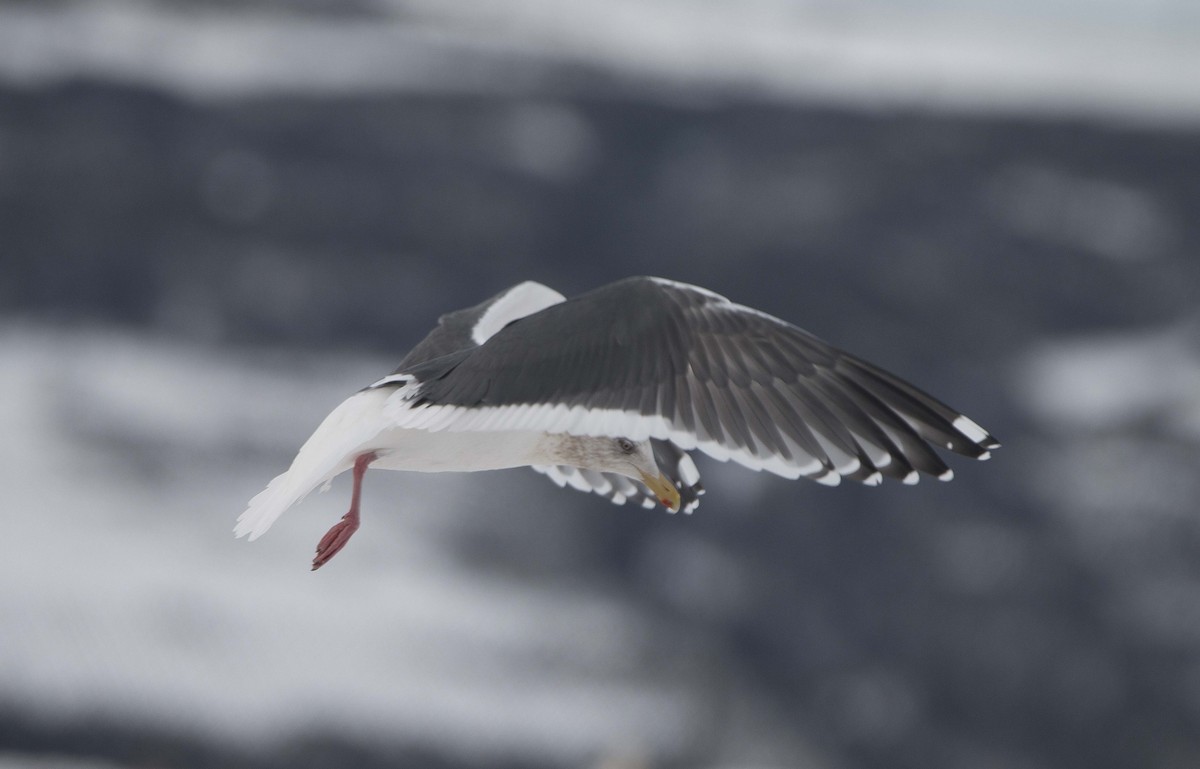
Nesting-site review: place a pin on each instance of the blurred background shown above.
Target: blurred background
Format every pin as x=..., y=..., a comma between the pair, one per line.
x=220, y=217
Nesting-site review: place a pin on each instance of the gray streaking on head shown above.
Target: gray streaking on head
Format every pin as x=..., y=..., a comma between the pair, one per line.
x=608, y=391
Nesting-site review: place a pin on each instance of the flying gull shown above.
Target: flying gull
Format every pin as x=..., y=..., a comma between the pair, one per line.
x=608, y=391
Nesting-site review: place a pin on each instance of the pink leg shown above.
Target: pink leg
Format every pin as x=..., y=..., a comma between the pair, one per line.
x=337, y=537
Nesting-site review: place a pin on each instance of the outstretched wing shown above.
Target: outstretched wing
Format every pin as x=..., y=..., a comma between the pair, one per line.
x=646, y=357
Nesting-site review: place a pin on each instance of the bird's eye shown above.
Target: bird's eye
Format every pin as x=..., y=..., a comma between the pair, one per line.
x=625, y=445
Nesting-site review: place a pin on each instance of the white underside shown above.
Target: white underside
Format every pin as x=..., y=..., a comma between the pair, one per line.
x=577, y=420
x=359, y=425
x=422, y=451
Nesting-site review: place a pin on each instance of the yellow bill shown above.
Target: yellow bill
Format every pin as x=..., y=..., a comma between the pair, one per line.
x=662, y=488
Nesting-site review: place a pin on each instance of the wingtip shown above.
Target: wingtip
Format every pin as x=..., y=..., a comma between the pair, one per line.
x=828, y=478
x=975, y=433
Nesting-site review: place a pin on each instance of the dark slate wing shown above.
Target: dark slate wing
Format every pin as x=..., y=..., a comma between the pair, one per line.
x=452, y=334
x=705, y=372
x=461, y=330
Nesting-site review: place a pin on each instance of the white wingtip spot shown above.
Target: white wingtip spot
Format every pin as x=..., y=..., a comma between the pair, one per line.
x=830, y=478
x=946, y=476
x=851, y=467
x=911, y=479
x=874, y=479
x=968, y=428
x=687, y=471
x=985, y=456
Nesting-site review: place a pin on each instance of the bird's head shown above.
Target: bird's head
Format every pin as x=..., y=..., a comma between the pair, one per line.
x=623, y=456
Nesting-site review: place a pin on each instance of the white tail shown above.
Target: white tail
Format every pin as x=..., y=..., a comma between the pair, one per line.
x=331, y=450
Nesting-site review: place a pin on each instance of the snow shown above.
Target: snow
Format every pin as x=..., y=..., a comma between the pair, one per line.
x=1113, y=459
x=1122, y=61
x=123, y=591
x=1113, y=381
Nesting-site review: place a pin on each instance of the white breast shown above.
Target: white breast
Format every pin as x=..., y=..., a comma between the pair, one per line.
x=460, y=452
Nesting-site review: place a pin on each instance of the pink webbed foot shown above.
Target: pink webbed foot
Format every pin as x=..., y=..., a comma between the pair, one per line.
x=337, y=537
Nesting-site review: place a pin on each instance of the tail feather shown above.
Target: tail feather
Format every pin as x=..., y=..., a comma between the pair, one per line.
x=331, y=450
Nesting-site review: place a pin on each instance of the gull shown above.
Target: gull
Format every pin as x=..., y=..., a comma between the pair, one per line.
x=608, y=391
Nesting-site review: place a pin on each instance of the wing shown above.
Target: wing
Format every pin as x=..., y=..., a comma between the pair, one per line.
x=646, y=357
x=618, y=489
x=466, y=329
